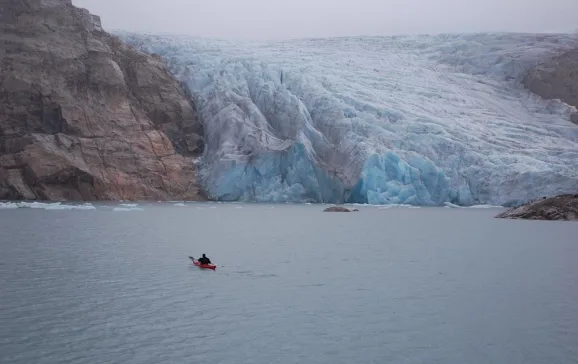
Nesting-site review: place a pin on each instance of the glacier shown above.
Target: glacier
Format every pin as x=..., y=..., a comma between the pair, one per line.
x=415, y=120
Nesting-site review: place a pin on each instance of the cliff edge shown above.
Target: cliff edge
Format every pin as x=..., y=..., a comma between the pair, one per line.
x=84, y=116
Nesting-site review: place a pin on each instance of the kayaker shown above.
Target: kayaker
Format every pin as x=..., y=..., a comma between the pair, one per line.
x=204, y=260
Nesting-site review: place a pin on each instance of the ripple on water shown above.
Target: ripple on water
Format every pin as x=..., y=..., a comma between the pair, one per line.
x=106, y=287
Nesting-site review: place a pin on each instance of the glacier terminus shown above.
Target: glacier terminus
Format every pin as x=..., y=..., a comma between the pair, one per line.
x=420, y=120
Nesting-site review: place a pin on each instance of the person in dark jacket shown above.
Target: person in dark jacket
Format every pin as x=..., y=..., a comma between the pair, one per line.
x=204, y=260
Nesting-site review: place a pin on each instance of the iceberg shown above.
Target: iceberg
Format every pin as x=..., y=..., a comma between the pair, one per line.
x=129, y=205
x=407, y=120
x=56, y=206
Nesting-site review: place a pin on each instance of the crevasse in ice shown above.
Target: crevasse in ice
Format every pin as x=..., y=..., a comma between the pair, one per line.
x=420, y=120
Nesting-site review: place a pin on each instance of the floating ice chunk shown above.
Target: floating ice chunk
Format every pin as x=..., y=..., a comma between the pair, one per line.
x=47, y=206
x=128, y=209
x=8, y=205
x=485, y=207
x=56, y=207
x=86, y=206
x=450, y=205
x=180, y=204
x=453, y=206
x=36, y=205
x=391, y=206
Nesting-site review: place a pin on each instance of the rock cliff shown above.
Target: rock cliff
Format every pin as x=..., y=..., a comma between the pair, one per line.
x=84, y=116
x=563, y=207
x=557, y=78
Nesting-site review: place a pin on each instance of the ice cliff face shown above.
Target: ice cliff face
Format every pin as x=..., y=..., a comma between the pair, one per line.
x=414, y=120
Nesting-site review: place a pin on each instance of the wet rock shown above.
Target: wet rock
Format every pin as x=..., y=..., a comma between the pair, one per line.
x=337, y=209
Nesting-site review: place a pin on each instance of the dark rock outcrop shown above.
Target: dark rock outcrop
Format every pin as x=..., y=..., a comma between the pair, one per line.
x=556, y=78
x=84, y=116
x=338, y=209
x=563, y=207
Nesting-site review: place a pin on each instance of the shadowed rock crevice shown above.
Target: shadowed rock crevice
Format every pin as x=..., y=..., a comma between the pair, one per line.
x=84, y=116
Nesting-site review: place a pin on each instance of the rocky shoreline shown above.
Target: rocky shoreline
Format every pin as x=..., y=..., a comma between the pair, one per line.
x=563, y=207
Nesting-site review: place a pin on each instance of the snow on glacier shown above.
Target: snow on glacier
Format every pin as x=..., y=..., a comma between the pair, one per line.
x=420, y=120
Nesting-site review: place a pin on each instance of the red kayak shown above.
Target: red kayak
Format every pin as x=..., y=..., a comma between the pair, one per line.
x=203, y=266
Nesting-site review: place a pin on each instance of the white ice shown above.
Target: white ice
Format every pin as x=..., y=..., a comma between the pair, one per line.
x=419, y=120
x=129, y=205
x=118, y=209
x=45, y=206
x=450, y=205
x=390, y=206
x=8, y=206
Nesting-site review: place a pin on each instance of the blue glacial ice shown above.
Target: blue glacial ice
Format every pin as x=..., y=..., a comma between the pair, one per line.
x=419, y=120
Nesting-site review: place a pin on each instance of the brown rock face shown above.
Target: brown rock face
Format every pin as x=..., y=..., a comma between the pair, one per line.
x=563, y=207
x=557, y=78
x=85, y=117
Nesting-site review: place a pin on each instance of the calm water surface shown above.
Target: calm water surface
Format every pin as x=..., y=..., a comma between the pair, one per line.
x=294, y=285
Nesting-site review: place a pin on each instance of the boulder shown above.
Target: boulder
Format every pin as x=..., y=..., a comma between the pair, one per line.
x=337, y=209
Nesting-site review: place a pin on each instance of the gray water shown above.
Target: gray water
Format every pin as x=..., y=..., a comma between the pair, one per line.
x=293, y=285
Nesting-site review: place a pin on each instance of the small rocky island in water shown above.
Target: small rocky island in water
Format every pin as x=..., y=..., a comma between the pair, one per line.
x=563, y=207
x=339, y=209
